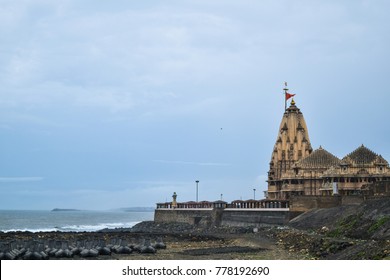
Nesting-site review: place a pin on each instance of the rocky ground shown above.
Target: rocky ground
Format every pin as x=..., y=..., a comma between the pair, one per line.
x=347, y=232
x=182, y=242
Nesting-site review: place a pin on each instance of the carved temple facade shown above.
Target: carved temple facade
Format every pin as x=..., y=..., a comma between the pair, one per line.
x=298, y=170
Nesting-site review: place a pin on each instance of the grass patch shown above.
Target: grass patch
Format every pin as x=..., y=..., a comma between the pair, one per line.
x=380, y=222
x=345, y=226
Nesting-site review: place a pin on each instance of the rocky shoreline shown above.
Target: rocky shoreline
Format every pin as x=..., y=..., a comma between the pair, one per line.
x=346, y=232
x=180, y=241
x=183, y=241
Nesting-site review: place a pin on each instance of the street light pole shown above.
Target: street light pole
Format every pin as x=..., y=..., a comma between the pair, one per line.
x=254, y=194
x=197, y=182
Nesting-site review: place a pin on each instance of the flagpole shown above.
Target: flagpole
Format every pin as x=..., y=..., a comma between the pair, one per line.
x=285, y=96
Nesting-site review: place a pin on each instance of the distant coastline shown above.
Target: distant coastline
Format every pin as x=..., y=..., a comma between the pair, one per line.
x=62, y=210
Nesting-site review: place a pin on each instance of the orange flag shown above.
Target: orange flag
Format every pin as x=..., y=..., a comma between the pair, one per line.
x=289, y=95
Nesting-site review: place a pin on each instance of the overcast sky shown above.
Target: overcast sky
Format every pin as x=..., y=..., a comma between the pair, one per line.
x=108, y=104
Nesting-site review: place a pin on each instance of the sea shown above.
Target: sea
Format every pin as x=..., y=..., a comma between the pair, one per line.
x=66, y=221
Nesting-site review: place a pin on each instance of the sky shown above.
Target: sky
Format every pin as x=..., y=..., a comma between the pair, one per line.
x=109, y=104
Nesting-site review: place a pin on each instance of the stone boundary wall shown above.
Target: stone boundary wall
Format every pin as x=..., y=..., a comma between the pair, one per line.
x=253, y=216
x=189, y=216
x=225, y=217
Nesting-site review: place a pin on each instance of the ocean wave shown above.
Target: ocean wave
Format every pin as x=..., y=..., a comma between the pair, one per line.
x=30, y=229
x=77, y=228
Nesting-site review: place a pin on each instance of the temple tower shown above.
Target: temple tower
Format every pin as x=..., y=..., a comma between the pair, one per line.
x=292, y=144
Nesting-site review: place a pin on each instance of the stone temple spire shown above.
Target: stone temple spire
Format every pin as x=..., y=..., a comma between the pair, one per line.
x=292, y=144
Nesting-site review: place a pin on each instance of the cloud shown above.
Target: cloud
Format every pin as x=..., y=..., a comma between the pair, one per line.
x=20, y=179
x=118, y=60
x=117, y=85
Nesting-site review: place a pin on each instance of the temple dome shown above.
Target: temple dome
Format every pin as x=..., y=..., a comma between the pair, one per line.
x=319, y=158
x=363, y=156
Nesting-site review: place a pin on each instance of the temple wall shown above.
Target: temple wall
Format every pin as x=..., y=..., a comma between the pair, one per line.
x=305, y=203
x=255, y=218
x=352, y=200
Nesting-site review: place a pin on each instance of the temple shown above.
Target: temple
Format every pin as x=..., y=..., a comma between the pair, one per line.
x=299, y=179
x=298, y=170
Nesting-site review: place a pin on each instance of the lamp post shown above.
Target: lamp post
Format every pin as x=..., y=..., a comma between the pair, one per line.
x=221, y=196
x=197, y=182
x=254, y=194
